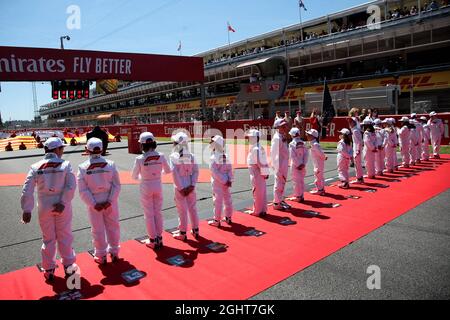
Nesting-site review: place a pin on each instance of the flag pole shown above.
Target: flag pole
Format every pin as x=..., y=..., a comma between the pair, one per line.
x=301, y=24
x=179, y=48
x=228, y=30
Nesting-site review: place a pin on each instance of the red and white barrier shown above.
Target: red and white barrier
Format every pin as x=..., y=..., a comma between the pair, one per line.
x=227, y=128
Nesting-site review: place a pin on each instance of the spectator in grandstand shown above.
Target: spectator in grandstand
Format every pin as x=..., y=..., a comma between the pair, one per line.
x=22, y=146
x=396, y=14
x=433, y=5
x=97, y=132
x=413, y=10
x=8, y=147
x=405, y=12
x=226, y=114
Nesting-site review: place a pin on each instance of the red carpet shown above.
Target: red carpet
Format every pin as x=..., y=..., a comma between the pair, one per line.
x=249, y=264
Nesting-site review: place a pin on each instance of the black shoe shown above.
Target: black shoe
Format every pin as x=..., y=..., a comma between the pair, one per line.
x=114, y=258
x=285, y=205
x=195, y=233
x=152, y=244
x=49, y=275
x=159, y=243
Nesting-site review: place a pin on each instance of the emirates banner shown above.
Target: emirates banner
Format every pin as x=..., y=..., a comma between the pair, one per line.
x=40, y=64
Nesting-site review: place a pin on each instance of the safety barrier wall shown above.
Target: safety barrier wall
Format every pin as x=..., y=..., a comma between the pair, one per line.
x=200, y=128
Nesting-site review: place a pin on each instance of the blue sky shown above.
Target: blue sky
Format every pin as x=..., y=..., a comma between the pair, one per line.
x=142, y=26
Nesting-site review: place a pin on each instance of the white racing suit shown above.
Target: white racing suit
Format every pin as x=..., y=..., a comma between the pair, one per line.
x=344, y=157
x=357, y=151
x=318, y=158
x=258, y=168
x=185, y=174
x=221, y=174
x=148, y=168
x=379, y=156
x=436, y=133
x=420, y=133
x=414, y=143
x=279, y=154
x=397, y=143
x=404, y=139
x=98, y=182
x=299, y=156
x=426, y=142
x=370, y=151
x=55, y=183
x=391, y=149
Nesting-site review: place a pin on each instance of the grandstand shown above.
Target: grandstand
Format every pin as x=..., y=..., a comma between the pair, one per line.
x=341, y=47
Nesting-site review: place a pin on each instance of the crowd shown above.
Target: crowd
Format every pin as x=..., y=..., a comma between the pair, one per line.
x=368, y=139
x=413, y=10
x=335, y=28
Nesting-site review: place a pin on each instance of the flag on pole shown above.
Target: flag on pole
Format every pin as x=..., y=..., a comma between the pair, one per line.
x=328, y=112
x=179, y=46
x=230, y=28
x=302, y=5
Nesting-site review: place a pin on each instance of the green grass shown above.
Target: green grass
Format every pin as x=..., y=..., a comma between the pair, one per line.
x=445, y=149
